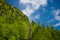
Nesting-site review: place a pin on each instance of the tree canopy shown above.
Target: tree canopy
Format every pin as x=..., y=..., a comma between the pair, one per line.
x=14, y=25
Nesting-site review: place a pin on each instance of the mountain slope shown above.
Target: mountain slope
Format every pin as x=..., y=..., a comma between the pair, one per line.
x=10, y=10
x=14, y=25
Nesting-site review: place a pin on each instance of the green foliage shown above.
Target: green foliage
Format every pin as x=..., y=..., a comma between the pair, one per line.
x=14, y=25
x=46, y=34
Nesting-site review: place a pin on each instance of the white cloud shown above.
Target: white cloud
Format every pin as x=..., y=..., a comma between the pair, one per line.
x=34, y=18
x=32, y=5
x=56, y=14
x=57, y=18
x=27, y=11
x=37, y=16
x=58, y=24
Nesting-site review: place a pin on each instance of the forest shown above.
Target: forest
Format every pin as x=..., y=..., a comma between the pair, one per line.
x=14, y=25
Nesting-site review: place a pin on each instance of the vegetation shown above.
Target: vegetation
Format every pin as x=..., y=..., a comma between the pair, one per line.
x=14, y=25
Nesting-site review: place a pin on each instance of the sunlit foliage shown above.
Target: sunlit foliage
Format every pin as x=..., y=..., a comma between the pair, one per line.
x=14, y=25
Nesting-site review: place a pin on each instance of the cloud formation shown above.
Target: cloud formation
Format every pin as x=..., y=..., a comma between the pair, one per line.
x=56, y=14
x=58, y=24
x=32, y=5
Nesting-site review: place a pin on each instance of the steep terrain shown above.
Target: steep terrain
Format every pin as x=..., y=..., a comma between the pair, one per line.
x=14, y=25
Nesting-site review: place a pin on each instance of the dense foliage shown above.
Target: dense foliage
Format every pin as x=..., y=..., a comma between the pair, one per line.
x=14, y=25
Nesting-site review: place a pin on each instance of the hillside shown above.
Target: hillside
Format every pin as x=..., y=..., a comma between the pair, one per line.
x=12, y=22
x=14, y=25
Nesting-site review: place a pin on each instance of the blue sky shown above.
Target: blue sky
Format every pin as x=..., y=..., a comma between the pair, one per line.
x=40, y=10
